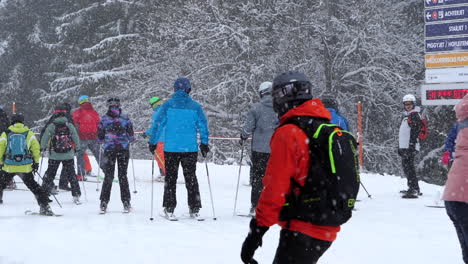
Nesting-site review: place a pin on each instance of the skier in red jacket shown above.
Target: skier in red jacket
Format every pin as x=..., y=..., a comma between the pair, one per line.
x=300, y=241
x=86, y=120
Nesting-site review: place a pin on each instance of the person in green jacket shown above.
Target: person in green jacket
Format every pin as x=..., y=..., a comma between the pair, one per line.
x=23, y=162
x=61, y=138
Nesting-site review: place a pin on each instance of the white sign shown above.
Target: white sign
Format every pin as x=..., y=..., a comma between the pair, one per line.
x=443, y=94
x=447, y=75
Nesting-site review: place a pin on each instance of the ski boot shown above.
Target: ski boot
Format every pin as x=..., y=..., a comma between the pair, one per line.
x=252, y=212
x=45, y=210
x=410, y=194
x=76, y=200
x=169, y=214
x=103, y=208
x=126, y=207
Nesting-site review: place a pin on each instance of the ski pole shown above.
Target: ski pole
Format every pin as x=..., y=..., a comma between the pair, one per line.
x=50, y=193
x=40, y=166
x=152, y=187
x=134, y=180
x=238, y=180
x=209, y=187
x=99, y=169
x=368, y=195
x=84, y=188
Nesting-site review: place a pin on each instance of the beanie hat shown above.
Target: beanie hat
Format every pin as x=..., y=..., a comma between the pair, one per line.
x=155, y=101
x=17, y=118
x=83, y=99
x=182, y=84
x=113, y=102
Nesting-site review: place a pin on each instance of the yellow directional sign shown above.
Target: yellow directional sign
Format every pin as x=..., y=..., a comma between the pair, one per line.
x=447, y=60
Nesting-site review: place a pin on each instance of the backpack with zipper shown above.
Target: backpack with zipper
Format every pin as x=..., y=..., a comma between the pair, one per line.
x=17, y=150
x=328, y=195
x=62, y=141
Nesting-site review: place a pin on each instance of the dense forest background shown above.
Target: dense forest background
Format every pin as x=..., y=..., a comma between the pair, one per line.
x=52, y=51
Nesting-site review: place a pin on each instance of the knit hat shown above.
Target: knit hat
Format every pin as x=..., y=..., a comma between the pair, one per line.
x=155, y=101
x=83, y=99
x=17, y=118
x=182, y=84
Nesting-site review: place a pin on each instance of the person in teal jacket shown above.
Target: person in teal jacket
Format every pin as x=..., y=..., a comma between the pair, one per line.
x=182, y=119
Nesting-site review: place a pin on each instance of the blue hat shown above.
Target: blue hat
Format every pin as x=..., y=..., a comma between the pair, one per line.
x=182, y=84
x=83, y=99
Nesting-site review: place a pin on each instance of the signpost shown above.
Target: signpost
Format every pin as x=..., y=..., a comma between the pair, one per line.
x=446, y=47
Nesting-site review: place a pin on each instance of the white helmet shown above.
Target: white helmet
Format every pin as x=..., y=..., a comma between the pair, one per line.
x=409, y=98
x=264, y=89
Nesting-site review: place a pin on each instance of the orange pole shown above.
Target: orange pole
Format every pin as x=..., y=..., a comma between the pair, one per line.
x=13, y=108
x=361, y=154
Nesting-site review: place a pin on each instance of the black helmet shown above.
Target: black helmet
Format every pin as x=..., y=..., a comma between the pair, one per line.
x=330, y=102
x=17, y=118
x=290, y=89
x=114, y=101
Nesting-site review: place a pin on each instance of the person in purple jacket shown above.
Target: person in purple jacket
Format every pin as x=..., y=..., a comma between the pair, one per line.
x=115, y=131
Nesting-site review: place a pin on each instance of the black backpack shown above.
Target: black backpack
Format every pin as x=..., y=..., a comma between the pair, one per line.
x=62, y=141
x=329, y=193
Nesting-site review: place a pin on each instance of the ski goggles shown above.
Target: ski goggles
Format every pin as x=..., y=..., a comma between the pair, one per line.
x=292, y=88
x=408, y=103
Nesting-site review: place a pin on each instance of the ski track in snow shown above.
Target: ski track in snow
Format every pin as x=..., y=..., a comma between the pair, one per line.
x=385, y=229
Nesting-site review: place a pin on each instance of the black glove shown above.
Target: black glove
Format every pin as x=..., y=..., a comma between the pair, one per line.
x=252, y=242
x=242, y=139
x=151, y=148
x=35, y=167
x=204, y=149
x=412, y=147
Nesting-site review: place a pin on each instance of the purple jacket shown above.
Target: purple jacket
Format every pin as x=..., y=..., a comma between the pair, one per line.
x=116, y=132
x=456, y=188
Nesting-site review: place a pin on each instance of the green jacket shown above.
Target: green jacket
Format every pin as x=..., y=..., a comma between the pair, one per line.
x=32, y=144
x=49, y=133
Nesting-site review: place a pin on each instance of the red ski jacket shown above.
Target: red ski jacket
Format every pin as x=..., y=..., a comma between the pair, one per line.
x=289, y=159
x=86, y=120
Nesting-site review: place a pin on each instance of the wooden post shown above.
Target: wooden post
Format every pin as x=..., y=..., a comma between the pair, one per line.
x=13, y=108
x=361, y=154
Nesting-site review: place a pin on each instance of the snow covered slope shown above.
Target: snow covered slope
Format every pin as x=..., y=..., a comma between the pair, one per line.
x=384, y=229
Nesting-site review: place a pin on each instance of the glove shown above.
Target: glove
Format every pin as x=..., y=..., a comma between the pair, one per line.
x=446, y=158
x=35, y=167
x=252, y=242
x=151, y=148
x=204, y=149
x=242, y=139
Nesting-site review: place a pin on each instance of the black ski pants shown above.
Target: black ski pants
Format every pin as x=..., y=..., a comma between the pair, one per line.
x=257, y=171
x=111, y=157
x=297, y=248
x=188, y=160
x=458, y=213
x=69, y=171
x=28, y=179
x=407, y=160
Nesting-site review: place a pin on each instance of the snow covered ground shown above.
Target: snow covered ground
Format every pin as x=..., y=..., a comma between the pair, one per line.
x=384, y=229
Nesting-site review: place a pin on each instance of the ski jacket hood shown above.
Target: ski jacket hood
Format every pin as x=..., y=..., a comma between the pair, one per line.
x=289, y=161
x=86, y=106
x=182, y=119
x=338, y=119
x=60, y=120
x=313, y=108
x=32, y=143
x=260, y=122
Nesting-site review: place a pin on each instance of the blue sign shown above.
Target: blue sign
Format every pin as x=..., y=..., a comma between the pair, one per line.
x=445, y=14
x=430, y=3
x=447, y=44
x=448, y=29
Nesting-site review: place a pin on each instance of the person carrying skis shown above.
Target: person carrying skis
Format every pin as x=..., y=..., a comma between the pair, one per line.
x=22, y=161
x=115, y=131
x=455, y=194
x=61, y=138
x=158, y=150
x=86, y=120
x=181, y=118
x=295, y=196
x=332, y=105
x=409, y=144
x=261, y=122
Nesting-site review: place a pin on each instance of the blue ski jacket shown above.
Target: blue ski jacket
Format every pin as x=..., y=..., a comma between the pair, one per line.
x=450, y=140
x=182, y=118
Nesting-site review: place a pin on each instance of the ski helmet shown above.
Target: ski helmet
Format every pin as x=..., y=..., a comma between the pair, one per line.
x=155, y=101
x=409, y=98
x=17, y=118
x=330, y=102
x=114, y=101
x=83, y=99
x=182, y=84
x=290, y=89
x=264, y=89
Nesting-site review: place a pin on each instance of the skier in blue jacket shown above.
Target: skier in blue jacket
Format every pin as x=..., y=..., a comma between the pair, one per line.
x=181, y=118
x=337, y=119
x=449, y=147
